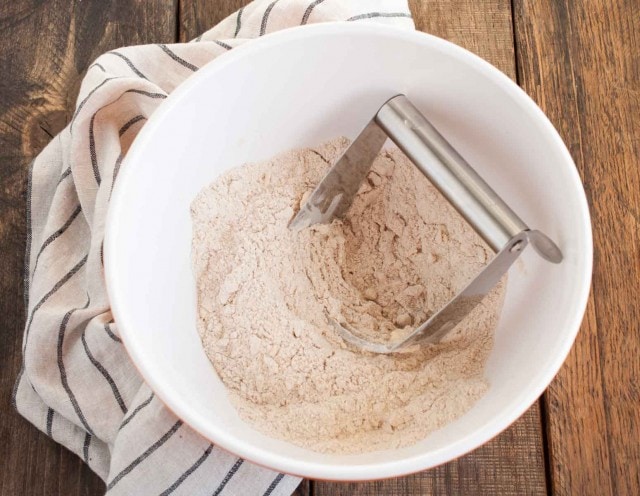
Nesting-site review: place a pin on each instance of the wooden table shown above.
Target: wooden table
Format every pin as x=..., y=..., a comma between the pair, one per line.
x=579, y=59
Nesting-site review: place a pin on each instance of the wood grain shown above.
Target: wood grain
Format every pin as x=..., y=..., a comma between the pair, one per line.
x=304, y=489
x=198, y=16
x=45, y=48
x=485, y=28
x=513, y=463
x=580, y=61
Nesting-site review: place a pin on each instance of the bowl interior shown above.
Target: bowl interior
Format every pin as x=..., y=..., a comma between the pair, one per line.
x=298, y=88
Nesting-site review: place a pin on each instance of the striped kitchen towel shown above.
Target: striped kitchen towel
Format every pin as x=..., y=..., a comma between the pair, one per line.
x=77, y=384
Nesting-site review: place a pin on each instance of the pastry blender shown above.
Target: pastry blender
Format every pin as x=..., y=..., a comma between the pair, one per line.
x=503, y=230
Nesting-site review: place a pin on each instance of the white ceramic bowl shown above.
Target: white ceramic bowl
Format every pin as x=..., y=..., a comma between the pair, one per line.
x=300, y=87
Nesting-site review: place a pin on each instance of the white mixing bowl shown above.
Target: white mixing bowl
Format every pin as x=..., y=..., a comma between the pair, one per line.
x=300, y=87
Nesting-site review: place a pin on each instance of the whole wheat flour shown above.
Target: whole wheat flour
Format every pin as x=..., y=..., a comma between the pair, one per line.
x=266, y=298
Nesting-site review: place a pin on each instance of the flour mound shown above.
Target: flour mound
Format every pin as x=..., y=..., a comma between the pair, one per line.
x=267, y=298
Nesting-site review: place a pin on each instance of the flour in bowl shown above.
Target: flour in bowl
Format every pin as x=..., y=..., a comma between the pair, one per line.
x=267, y=297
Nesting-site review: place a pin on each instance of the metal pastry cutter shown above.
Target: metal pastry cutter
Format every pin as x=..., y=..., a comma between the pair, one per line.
x=503, y=230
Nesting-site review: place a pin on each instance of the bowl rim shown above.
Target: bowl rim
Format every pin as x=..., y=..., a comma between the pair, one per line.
x=335, y=471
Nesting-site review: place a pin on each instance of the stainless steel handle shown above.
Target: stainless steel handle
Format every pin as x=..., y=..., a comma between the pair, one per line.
x=480, y=205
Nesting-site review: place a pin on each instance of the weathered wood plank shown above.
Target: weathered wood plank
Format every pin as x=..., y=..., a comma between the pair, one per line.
x=485, y=28
x=45, y=48
x=304, y=489
x=513, y=463
x=579, y=60
x=198, y=16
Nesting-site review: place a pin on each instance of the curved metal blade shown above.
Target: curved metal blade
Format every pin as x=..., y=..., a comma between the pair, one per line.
x=458, y=307
x=335, y=193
